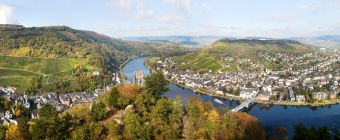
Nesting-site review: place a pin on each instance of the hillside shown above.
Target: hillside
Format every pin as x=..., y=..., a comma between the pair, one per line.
x=61, y=54
x=224, y=53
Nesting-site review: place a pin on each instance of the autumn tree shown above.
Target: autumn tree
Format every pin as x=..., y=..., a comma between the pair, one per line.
x=156, y=84
x=135, y=127
x=129, y=90
x=3, y=130
x=166, y=119
x=113, y=97
x=13, y=133
x=98, y=111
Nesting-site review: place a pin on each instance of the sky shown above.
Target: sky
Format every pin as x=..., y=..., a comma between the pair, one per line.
x=126, y=18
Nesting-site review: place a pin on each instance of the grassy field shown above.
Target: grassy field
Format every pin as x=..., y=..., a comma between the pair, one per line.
x=39, y=65
x=18, y=71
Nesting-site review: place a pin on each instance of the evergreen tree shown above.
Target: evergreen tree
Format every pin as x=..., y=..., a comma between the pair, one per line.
x=98, y=111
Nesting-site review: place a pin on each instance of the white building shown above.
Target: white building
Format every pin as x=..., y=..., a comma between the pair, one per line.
x=320, y=95
x=248, y=92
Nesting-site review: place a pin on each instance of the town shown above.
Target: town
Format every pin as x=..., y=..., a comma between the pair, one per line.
x=60, y=101
x=312, y=78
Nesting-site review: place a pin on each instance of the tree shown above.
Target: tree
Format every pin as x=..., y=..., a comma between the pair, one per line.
x=4, y=103
x=12, y=133
x=144, y=102
x=23, y=128
x=129, y=90
x=113, y=98
x=80, y=133
x=115, y=130
x=3, y=130
x=23, y=112
x=135, y=128
x=96, y=130
x=166, y=119
x=47, y=111
x=156, y=84
x=123, y=102
x=35, y=86
x=98, y=111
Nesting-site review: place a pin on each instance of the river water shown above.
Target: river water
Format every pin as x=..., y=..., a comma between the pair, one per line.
x=270, y=116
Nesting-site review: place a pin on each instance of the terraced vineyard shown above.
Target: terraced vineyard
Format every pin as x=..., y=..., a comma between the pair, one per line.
x=20, y=70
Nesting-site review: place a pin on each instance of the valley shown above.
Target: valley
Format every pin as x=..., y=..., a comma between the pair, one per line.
x=288, y=75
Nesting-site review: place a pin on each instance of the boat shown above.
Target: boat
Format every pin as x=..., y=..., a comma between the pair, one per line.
x=218, y=101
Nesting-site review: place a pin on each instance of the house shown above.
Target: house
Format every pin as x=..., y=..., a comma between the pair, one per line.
x=300, y=98
x=319, y=95
x=332, y=95
x=65, y=100
x=219, y=92
x=291, y=94
x=8, y=90
x=268, y=89
x=248, y=92
x=4, y=121
x=263, y=97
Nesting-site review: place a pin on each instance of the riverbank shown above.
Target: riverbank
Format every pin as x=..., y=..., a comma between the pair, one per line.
x=199, y=91
x=121, y=67
x=121, y=71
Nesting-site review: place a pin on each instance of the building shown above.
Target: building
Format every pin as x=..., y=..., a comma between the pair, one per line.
x=248, y=92
x=300, y=98
x=138, y=78
x=263, y=97
x=332, y=96
x=65, y=100
x=320, y=95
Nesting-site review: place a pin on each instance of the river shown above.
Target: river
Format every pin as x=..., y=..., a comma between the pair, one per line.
x=270, y=116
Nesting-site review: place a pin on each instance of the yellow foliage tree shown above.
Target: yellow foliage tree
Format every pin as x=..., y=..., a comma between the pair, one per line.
x=13, y=133
x=129, y=90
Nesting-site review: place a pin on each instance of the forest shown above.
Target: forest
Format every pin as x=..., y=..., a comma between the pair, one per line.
x=133, y=112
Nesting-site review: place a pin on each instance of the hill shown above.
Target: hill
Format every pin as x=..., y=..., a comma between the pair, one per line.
x=61, y=55
x=328, y=41
x=224, y=54
x=182, y=40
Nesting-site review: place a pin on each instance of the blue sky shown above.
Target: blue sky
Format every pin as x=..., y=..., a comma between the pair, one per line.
x=238, y=18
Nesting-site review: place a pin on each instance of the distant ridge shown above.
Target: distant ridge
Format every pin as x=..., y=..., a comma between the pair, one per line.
x=328, y=41
x=10, y=26
x=212, y=57
x=182, y=40
x=263, y=41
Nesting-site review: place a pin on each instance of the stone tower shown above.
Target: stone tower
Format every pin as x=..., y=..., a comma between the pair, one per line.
x=139, y=78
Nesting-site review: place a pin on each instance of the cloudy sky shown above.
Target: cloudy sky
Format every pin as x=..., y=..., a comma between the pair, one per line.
x=122, y=18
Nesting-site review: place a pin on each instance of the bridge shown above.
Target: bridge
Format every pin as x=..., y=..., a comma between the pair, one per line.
x=244, y=104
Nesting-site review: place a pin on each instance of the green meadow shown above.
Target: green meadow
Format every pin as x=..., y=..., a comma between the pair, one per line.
x=19, y=71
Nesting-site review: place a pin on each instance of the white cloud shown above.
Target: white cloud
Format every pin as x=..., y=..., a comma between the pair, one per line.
x=132, y=8
x=144, y=13
x=283, y=17
x=171, y=19
x=122, y=3
x=205, y=7
x=184, y=5
x=320, y=6
x=6, y=15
